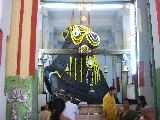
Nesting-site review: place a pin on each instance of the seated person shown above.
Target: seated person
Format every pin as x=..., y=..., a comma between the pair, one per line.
x=126, y=113
x=147, y=113
x=141, y=103
x=57, y=109
x=45, y=111
x=43, y=108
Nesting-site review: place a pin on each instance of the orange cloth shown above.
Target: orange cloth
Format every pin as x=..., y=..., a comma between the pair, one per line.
x=109, y=106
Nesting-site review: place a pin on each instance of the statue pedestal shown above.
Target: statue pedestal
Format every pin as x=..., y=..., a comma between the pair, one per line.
x=90, y=112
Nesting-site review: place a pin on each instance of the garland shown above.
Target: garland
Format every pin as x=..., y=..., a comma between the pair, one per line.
x=77, y=33
x=70, y=65
x=81, y=69
x=95, y=67
x=75, y=65
x=58, y=74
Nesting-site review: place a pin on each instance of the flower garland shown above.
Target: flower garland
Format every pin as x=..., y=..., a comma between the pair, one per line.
x=81, y=69
x=70, y=65
x=95, y=75
x=75, y=65
x=95, y=67
x=58, y=74
x=77, y=33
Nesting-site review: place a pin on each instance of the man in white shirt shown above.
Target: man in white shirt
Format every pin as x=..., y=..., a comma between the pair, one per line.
x=71, y=110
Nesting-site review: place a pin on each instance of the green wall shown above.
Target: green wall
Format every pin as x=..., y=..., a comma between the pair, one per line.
x=158, y=90
x=28, y=84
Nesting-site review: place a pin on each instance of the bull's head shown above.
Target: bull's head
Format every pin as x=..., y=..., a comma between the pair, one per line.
x=80, y=35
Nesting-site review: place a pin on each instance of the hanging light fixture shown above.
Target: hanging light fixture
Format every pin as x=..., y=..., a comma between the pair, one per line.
x=40, y=63
x=67, y=69
x=90, y=63
x=124, y=67
x=105, y=69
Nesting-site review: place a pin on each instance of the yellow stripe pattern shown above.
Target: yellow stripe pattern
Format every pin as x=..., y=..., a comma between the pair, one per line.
x=12, y=41
x=25, y=43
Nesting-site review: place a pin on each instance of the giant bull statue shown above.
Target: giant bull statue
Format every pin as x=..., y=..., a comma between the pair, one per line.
x=84, y=81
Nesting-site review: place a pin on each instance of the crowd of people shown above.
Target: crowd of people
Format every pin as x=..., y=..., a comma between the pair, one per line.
x=59, y=109
x=64, y=109
x=111, y=112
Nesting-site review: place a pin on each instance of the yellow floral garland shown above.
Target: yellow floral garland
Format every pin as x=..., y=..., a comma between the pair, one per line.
x=58, y=74
x=85, y=32
x=81, y=69
x=70, y=65
x=75, y=65
x=95, y=67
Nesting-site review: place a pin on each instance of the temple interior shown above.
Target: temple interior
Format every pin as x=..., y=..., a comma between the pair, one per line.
x=50, y=48
x=108, y=23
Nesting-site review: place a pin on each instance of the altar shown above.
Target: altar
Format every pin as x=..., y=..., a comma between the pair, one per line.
x=90, y=112
x=95, y=111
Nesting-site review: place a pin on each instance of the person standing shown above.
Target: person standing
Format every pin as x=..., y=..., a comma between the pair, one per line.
x=109, y=105
x=71, y=110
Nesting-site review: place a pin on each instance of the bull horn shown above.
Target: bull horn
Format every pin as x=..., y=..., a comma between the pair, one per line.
x=80, y=17
x=88, y=19
x=72, y=20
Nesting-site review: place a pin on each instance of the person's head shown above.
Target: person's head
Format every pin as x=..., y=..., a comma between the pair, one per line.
x=148, y=112
x=112, y=90
x=57, y=108
x=83, y=19
x=43, y=108
x=50, y=104
x=68, y=97
x=126, y=103
x=142, y=100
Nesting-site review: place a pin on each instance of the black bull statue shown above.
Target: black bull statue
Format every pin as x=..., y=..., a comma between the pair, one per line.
x=84, y=82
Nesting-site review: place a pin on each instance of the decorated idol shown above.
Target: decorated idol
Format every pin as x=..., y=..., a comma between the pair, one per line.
x=80, y=74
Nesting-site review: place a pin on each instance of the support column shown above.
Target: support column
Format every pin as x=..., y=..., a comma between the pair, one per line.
x=124, y=84
x=40, y=76
x=21, y=77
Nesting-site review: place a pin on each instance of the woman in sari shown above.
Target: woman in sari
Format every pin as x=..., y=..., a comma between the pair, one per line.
x=57, y=109
x=141, y=103
x=126, y=113
x=109, y=105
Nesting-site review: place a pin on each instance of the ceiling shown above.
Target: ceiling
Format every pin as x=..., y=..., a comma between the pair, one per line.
x=100, y=19
x=103, y=21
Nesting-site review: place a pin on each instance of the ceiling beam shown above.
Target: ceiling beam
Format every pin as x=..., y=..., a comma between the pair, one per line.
x=93, y=51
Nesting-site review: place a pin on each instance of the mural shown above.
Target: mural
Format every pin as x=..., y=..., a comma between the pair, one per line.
x=21, y=97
